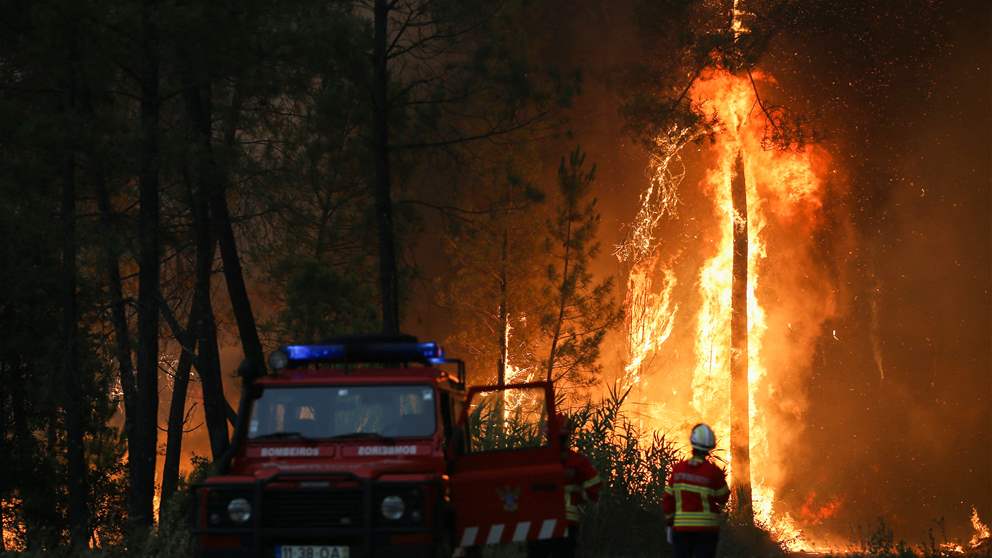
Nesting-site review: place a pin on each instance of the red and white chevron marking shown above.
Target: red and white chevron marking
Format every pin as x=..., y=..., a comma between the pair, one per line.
x=500, y=533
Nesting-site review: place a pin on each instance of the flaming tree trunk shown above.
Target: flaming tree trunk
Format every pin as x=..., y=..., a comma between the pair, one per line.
x=739, y=411
x=503, y=313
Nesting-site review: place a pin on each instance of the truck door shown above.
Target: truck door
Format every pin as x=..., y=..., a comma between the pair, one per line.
x=508, y=483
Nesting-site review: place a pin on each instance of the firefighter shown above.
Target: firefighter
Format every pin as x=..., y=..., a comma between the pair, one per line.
x=694, y=498
x=582, y=486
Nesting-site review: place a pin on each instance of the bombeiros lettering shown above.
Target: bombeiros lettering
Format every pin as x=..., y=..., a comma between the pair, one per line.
x=290, y=452
x=387, y=450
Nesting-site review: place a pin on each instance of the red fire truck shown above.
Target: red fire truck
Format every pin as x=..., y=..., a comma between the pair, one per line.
x=368, y=447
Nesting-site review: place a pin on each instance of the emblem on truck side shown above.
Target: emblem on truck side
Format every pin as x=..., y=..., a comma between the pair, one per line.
x=510, y=496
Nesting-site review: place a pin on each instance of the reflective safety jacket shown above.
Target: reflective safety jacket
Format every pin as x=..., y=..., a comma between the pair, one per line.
x=695, y=495
x=583, y=484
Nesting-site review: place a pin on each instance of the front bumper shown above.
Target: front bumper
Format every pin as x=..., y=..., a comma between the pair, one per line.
x=381, y=545
x=366, y=536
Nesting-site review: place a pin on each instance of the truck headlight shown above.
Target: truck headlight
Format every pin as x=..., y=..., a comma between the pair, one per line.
x=393, y=507
x=239, y=510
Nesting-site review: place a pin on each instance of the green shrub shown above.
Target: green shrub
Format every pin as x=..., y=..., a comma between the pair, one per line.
x=628, y=519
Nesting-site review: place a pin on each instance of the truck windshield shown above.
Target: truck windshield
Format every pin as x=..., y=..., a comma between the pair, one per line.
x=344, y=412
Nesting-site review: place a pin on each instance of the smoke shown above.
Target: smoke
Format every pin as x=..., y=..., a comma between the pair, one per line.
x=898, y=417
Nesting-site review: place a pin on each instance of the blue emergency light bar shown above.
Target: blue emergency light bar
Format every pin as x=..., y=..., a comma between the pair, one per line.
x=367, y=351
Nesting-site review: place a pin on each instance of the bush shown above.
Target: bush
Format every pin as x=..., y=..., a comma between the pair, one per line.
x=628, y=519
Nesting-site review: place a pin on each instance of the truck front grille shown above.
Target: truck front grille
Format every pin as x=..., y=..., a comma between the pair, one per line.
x=312, y=508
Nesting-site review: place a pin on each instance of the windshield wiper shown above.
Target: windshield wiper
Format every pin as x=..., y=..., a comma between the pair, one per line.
x=282, y=436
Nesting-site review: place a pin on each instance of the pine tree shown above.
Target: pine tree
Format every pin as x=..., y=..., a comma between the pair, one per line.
x=578, y=309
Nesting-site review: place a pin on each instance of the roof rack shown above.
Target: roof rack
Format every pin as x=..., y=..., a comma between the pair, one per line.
x=396, y=349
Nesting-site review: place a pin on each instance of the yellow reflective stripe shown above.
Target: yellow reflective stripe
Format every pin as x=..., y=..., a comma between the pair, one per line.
x=722, y=491
x=707, y=519
x=592, y=481
x=705, y=490
x=573, y=510
x=669, y=490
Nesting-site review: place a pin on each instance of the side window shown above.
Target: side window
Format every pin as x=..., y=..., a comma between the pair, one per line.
x=508, y=419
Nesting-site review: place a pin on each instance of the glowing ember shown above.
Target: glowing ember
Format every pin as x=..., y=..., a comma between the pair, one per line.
x=981, y=535
x=952, y=548
x=813, y=513
x=514, y=399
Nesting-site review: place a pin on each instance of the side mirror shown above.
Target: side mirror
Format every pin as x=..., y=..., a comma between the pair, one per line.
x=248, y=371
x=254, y=391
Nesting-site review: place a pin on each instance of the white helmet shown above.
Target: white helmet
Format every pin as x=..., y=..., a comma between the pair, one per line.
x=702, y=438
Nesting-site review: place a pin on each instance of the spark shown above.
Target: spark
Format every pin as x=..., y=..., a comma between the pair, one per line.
x=661, y=197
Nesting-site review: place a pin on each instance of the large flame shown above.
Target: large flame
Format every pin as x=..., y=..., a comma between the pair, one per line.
x=785, y=190
x=981, y=530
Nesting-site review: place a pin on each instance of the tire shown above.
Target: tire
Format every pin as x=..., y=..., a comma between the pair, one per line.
x=443, y=549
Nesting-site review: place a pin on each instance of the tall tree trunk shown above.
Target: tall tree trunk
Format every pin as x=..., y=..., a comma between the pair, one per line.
x=6, y=462
x=177, y=407
x=224, y=233
x=234, y=277
x=122, y=333
x=146, y=404
x=25, y=456
x=199, y=99
x=71, y=386
x=208, y=361
x=739, y=412
x=563, y=295
x=388, y=281
x=504, y=318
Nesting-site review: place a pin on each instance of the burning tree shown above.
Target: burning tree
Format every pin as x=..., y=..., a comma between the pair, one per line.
x=761, y=154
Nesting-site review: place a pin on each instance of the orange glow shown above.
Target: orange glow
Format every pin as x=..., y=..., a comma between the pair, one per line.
x=813, y=513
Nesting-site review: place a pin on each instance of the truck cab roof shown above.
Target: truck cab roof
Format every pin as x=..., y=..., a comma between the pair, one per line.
x=358, y=376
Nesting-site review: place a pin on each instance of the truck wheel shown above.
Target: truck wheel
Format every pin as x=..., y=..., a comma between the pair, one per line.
x=443, y=548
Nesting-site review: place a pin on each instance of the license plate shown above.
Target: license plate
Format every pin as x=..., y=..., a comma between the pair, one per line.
x=311, y=551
